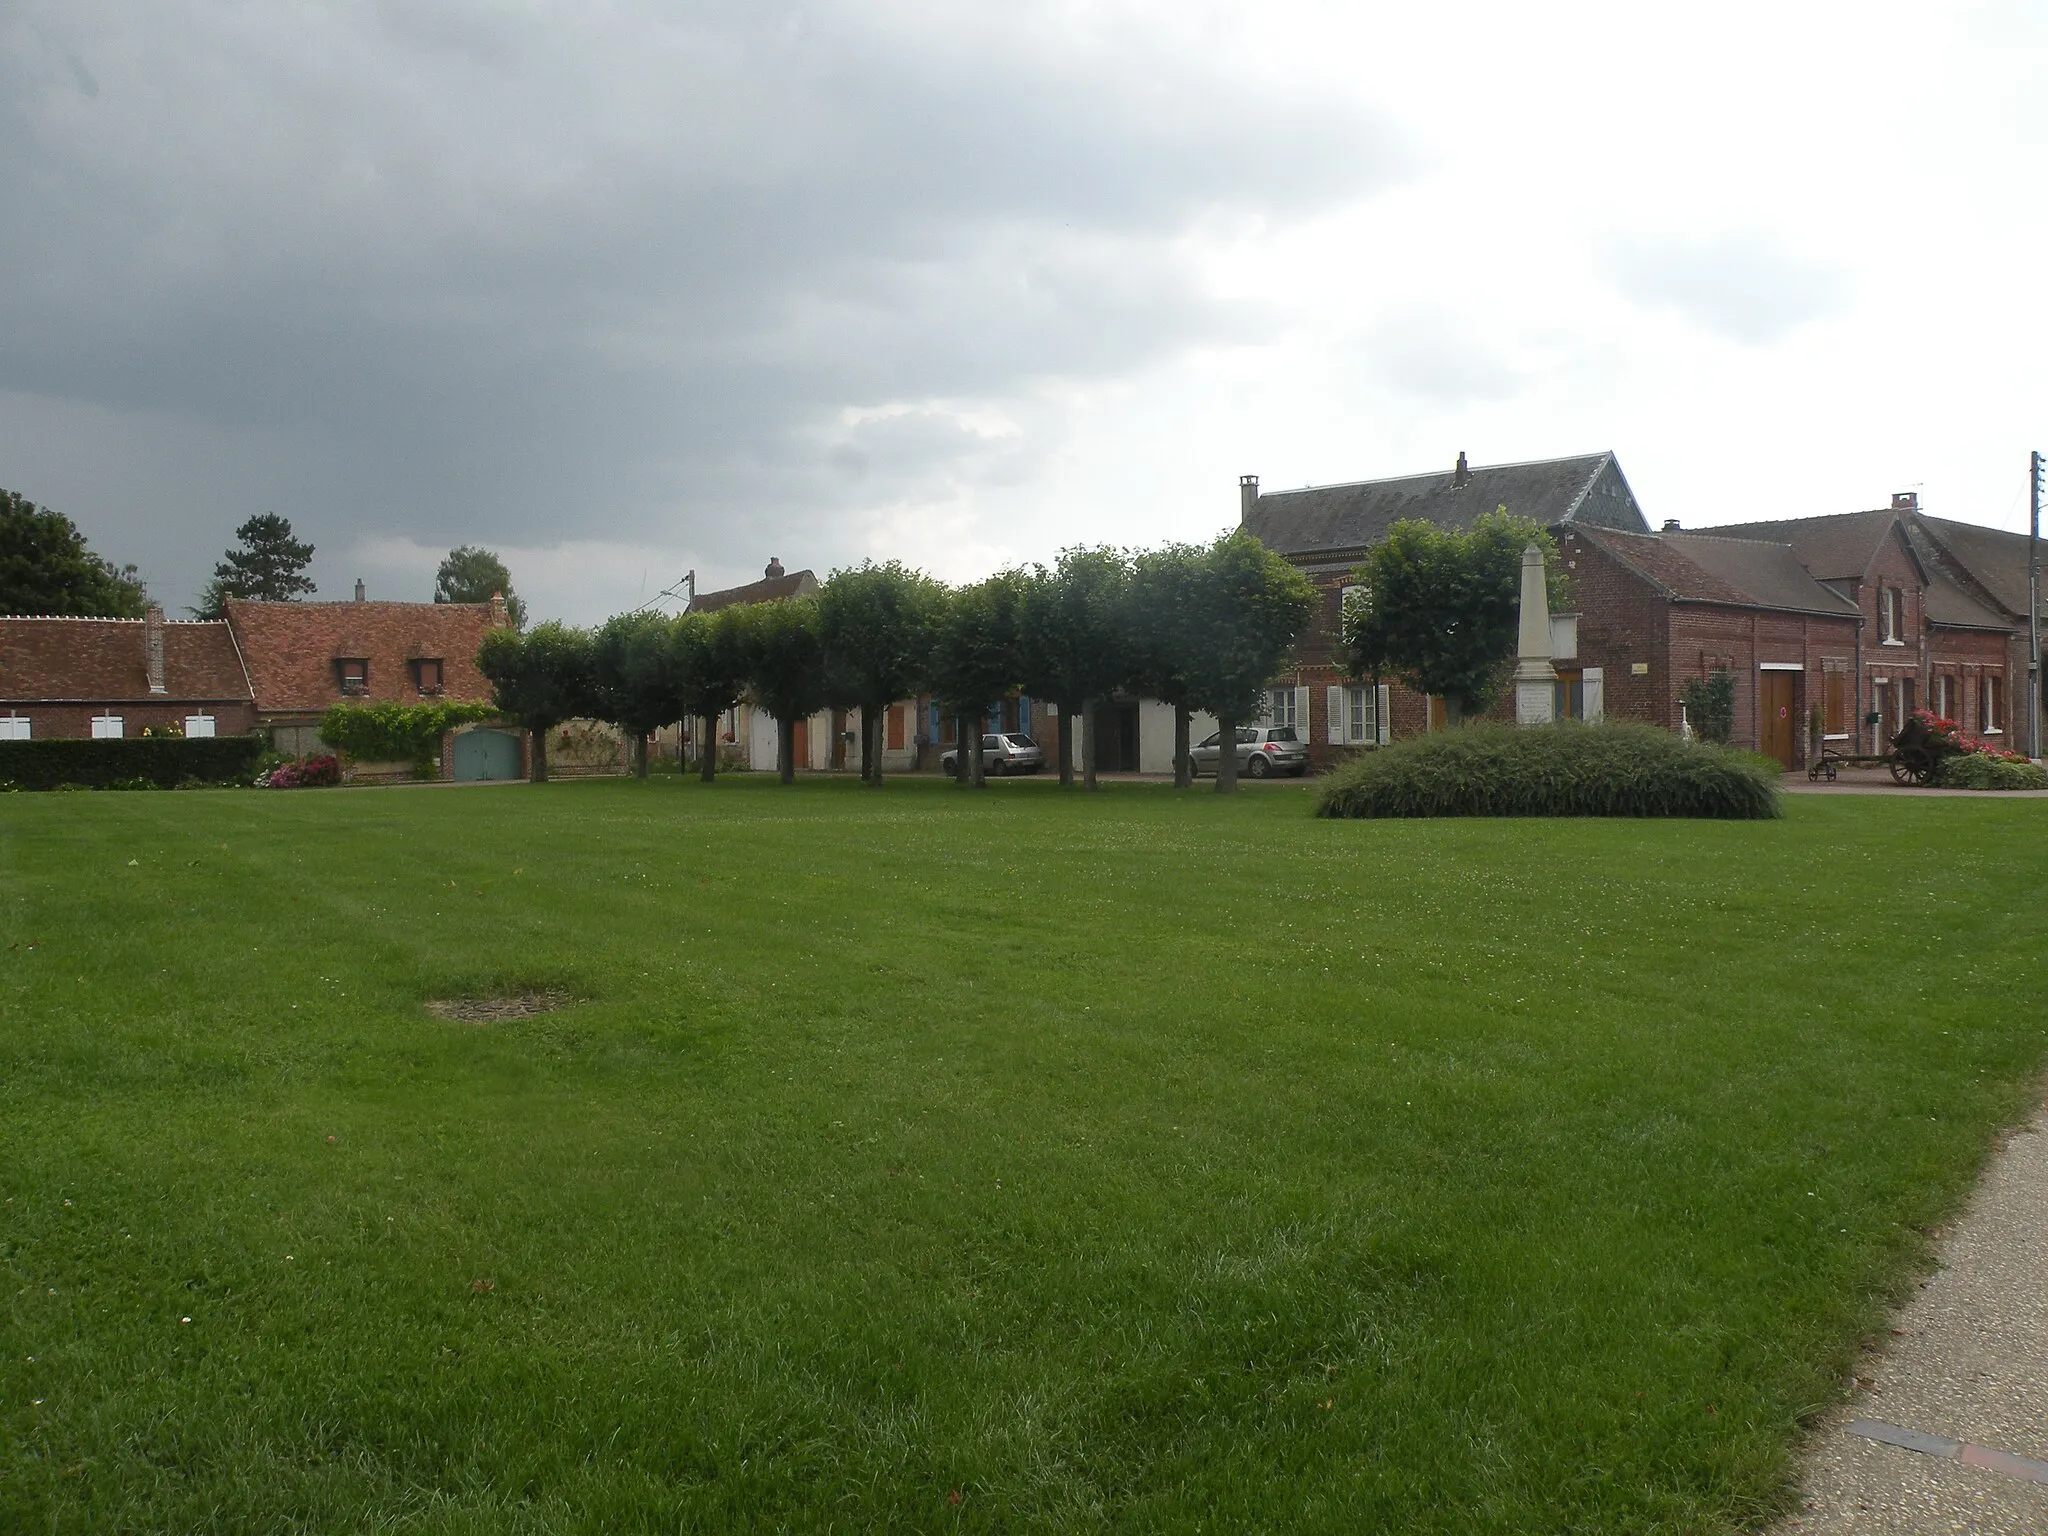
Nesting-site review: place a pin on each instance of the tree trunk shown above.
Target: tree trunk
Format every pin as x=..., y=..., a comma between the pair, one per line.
x=1183, y=765
x=980, y=771
x=1067, y=714
x=1088, y=711
x=537, y=761
x=871, y=744
x=640, y=756
x=1226, y=758
x=785, y=748
x=707, y=750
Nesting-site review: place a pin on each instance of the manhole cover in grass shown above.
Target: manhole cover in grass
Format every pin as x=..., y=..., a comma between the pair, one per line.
x=496, y=1010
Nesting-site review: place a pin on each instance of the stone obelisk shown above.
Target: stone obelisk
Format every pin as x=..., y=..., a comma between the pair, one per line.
x=1535, y=678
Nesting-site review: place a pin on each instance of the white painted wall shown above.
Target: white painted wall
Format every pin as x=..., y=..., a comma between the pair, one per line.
x=1155, y=734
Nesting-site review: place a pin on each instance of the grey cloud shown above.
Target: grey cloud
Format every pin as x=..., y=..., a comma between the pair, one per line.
x=1439, y=355
x=1749, y=287
x=616, y=273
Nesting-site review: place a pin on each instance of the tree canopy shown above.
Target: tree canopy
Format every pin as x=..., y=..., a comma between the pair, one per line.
x=878, y=622
x=1250, y=608
x=46, y=567
x=1072, y=636
x=781, y=649
x=709, y=659
x=633, y=677
x=1439, y=607
x=977, y=657
x=473, y=575
x=539, y=679
x=269, y=566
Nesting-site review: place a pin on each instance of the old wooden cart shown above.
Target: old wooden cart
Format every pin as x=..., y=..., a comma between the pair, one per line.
x=1914, y=758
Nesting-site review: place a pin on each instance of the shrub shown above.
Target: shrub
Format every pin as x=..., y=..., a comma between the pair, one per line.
x=308, y=773
x=1983, y=770
x=398, y=733
x=1710, y=705
x=1618, y=768
x=57, y=761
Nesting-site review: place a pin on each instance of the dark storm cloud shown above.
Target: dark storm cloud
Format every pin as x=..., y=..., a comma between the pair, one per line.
x=620, y=271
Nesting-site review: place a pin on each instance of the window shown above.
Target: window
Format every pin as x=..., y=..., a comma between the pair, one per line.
x=198, y=727
x=1358, y=715
x=106, y=727
x=1888, y=606
x=1944, y=695
x=1834, y=691
x=426, y=674
x=1280, y=706
x=15, y=728
x=1568, y=694
x=353, y=673
x=1992, y=710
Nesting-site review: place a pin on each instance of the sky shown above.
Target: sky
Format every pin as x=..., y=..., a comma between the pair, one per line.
x=622, y=290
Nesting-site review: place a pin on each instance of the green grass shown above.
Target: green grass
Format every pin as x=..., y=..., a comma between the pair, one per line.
x=1130, y=1162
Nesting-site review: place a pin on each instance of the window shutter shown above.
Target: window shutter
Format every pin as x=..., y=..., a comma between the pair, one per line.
x=1301, y=714
x=1382, y=714
x=1592, y=681
x=1333, y=715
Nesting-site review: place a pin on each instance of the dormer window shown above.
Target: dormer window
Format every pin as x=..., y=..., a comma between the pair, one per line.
x=353, y=673
x=426, y=674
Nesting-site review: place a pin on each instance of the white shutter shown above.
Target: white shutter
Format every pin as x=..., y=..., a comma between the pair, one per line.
x=1333, y=715
x=1301, y=714
x=15, y=728
x=106, y=727
x=1382, y=713
x=198, y=727
x=1591, y=684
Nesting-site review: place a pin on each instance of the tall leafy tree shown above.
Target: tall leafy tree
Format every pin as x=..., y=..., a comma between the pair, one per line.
x=1440, y=608
x=633, y=677
x=473, y=575
x=47, y=567
x=977, y=659
x=539, y=678
x=1163, y=637
x=1252, y=608
x=1073, y=642
x=269, y=565
x=709, y=657
x=782, y=657
x=878, y=624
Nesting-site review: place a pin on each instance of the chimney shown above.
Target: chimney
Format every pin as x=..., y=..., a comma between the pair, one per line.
x=1462, y=475
x=1671, y=525
x=1247, y=497
x=360, y=593
x=501, y=616
x=774, y=568
x=153, y=646
x=1905, y=501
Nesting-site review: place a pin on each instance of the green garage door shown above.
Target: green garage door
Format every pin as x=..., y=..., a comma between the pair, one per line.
x=486, y=755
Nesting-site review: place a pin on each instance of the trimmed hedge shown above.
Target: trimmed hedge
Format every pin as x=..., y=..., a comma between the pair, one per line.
x=1978, y=770
x=165, y=761
x=1617, y=768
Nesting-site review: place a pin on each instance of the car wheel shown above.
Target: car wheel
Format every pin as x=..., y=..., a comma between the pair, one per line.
x=1258, y=767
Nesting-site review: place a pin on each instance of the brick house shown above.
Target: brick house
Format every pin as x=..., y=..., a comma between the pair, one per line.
x=83, y=677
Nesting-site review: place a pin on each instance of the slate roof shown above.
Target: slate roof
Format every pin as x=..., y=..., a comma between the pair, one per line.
x=1333, y=519
x=291, y=649
x=1839, y=547
x=1949, y=605
x=1703, y=568
x=794, y=584
x=1996, y=559
x=93, y=661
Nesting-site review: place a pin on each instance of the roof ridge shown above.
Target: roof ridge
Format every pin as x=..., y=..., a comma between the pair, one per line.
x=1431, y=474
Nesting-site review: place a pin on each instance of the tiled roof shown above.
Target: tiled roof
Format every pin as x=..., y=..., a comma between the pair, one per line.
x=1338, y=519
x=1995, y=558
x=103, y=661
x=1948, y=604
x=1701, y=568
x=291, y=649
x=794, y=584
x=1835, y=548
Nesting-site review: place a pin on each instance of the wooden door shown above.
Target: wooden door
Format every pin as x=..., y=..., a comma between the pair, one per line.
x=1780, y=734
x=800, y=744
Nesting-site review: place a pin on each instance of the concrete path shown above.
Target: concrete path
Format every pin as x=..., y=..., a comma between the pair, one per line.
x=1878, y=781
x=1967, y=1373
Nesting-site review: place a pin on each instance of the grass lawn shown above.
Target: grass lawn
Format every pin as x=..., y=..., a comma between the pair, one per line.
x=926, y=1160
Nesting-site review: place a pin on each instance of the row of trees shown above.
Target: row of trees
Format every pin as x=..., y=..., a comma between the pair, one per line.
x=1199, y=627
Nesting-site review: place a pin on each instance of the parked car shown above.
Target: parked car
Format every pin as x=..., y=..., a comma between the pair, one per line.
x=1002, y=753
x=1263, y=751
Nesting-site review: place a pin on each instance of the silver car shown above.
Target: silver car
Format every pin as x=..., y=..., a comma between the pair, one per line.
x=1263, y=751
x=1002, y=753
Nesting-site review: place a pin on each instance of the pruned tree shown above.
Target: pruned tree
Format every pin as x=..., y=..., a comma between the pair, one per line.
x=977, y=660
x=877, y=622
x=473, y=575
x=1163, y=638
x=1439, y=608
x=782, y=657
x=1072, y=641
x=709, y=657
x=634, y=678
x=47, y=567
x=269, y=566
x=539, y=679
x=1251, y=609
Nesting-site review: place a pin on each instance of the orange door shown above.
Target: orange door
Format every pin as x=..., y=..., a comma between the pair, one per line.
x=800, y=746
x=895, y=727
x=1780, y=738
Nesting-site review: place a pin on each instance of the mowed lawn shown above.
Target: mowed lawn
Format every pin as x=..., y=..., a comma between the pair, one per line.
x=926, y=1160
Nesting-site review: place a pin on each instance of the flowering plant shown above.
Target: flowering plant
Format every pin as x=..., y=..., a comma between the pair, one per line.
x=307, y=773
x=1946, y=732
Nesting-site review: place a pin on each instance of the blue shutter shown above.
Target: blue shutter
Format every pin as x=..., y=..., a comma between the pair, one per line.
x=1023, y=714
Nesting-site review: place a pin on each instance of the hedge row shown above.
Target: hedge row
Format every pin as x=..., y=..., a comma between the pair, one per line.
x=1977, y=770
x=1619, y=768
x=167, y=761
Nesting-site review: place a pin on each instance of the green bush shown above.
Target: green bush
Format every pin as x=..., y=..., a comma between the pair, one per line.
x=59, y=762
x=1618, y=768
x=1710, y=705
x=397, y=733
x=1974, y=770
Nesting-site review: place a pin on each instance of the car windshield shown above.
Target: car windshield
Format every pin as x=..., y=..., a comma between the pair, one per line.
x=1282, y=733
x=1022, y=741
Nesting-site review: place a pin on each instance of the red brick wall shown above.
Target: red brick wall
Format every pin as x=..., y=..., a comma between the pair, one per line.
x=75, y=720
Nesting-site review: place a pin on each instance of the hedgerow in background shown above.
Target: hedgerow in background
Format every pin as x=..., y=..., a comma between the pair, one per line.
x=168, y=761
x=1616, y=768
x=1710, y=705
x=398, y=733
x=1983, y=770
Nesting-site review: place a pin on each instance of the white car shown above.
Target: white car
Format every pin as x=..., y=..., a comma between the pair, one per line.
x=1002, y=753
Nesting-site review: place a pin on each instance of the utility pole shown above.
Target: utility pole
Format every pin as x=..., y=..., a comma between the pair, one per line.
x=2034, y=608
